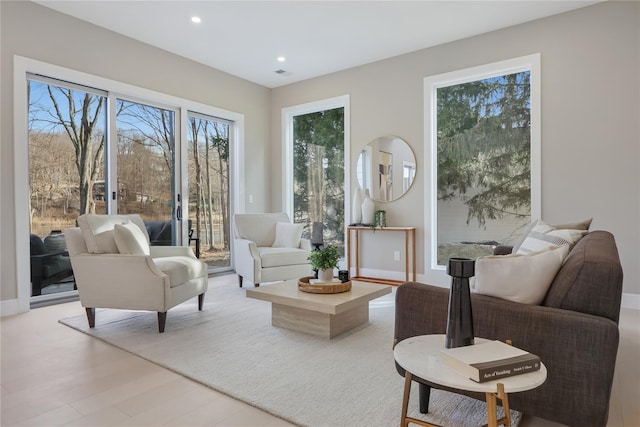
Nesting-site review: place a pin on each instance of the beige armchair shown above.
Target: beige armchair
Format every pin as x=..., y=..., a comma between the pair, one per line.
x=267, y=247
x=115, y=267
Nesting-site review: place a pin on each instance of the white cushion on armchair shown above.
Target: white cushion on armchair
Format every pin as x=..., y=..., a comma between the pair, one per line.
x=260, y=254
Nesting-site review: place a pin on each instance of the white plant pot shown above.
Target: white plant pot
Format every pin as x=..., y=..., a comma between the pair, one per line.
x=325, y=275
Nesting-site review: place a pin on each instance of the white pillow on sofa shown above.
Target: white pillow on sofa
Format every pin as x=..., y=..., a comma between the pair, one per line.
x=520, y=278
x=130, y=239
x=543, y=236
x=288, y=235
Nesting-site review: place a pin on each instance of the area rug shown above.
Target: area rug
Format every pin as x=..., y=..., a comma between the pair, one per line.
x=231, y=347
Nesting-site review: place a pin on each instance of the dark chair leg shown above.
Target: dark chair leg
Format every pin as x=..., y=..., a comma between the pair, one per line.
x=240, y=280
x=424, y=393
x=200, y=301
x=162, y=319
x=91, y=316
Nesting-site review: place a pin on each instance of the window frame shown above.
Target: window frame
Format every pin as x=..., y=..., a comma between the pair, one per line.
x=434, y=273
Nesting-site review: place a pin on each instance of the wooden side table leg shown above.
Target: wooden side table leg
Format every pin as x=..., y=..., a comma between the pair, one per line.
x=404, y=419
x=506, y=420
x=404, y=422
x=492, y=412
x=492, y=408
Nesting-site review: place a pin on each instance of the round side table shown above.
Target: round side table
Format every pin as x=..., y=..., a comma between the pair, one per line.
x=420, y=356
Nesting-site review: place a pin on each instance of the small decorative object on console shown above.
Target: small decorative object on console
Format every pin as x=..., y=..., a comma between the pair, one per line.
x=460, y=316
x=380, y=219
x=368, y=209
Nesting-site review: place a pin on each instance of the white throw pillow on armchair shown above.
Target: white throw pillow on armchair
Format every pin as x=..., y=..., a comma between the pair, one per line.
x=520, y=278
x=130, y=239
x=288, y=235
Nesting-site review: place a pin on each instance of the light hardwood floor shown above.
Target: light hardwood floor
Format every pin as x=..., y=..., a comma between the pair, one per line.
x=52, y=375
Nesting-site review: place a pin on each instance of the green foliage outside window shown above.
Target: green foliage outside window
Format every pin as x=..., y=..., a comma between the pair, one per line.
x=318, y=172
x=484, y=155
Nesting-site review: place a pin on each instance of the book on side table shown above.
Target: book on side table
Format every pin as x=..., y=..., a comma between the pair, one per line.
x=490, y=361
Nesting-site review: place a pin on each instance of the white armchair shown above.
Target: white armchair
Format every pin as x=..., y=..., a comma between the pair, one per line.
x=115, y=267
x=268, y=247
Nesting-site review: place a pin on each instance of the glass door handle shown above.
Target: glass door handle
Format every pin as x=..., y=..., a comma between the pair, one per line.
x=179, y=213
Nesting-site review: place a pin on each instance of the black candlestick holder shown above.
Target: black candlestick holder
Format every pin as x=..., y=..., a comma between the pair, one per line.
x=460, y=315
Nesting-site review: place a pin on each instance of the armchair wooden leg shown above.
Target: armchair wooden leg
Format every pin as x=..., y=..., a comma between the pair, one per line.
x=91, y=316
x=240, y=280
x=162, y=319
x=200, y=301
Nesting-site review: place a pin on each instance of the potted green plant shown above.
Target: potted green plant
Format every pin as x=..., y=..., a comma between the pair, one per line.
x=325, y=260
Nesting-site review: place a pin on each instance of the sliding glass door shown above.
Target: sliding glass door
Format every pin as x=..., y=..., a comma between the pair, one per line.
x=66, y=133
x=208, y=173
x=75, y=168
x=146, y=173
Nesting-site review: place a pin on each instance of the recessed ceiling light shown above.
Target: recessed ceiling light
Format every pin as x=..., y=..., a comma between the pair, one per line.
x=281, y=59
x=196, y=19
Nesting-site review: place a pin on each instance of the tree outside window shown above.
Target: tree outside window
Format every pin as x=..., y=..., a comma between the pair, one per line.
x=318, y=173
x=483, y=164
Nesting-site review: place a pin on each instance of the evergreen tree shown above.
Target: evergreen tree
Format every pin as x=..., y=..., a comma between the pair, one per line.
x=484, y=156
x=318, y=151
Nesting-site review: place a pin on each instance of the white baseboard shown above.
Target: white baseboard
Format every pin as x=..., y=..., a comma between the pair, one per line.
x=631, y=301
x=8, y=307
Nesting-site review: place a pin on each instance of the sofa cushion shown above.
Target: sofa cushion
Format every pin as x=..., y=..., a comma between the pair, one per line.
x=580, y=225
x=181, y=268
x=520, y=278
x=97, y=230
x=130, y=239
x=277, y=257
x=288, y=235
x=543, y=236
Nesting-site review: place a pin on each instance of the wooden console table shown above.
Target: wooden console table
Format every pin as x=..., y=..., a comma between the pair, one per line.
x=409, y=250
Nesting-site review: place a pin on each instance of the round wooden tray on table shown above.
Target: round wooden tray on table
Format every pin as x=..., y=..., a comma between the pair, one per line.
x=322, y=288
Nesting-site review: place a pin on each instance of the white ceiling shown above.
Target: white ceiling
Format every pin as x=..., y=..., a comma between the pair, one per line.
x=244, y=38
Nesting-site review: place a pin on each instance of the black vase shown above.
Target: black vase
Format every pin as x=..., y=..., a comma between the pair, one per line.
x=460, y=316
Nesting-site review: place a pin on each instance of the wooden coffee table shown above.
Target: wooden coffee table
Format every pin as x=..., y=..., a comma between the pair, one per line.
x=323, y=315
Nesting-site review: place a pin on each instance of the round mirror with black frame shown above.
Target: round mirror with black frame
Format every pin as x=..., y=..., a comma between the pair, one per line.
x=386, y=167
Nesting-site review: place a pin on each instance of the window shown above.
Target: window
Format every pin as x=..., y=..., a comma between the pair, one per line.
x=483, y=130
x=315, y=154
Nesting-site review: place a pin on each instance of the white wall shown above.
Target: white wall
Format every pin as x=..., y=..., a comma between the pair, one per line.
x=36, y=32
x=590, y=119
